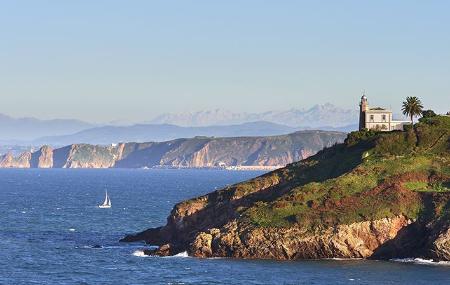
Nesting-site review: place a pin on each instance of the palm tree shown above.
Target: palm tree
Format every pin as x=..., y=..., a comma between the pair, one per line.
x=412, y=107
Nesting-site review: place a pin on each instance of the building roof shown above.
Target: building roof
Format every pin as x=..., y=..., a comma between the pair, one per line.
x=378, y=110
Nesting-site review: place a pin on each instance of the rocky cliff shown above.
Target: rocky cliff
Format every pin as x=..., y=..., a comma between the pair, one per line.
x=43, y=158
x=275, y=151
x=378, y=195
x=21, y=161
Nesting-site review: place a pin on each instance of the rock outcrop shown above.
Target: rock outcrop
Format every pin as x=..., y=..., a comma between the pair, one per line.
x=43, y=158
x=357, y=240
x=21, y=161
x=378, y=195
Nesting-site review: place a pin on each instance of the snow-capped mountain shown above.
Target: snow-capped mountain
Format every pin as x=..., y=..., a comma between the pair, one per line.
x=317, y=116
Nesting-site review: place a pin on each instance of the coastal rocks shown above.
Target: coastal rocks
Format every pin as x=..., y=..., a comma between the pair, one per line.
x=357, y=240
x=438, y=242
x=214, y=225
x=201, y=247
x=164, y=250
x=441, y=246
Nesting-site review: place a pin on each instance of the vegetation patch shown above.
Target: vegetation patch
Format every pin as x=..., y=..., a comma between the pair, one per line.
x=428, y=187
x=341, y=185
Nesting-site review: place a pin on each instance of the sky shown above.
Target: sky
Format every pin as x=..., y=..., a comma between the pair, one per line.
x=133, y=60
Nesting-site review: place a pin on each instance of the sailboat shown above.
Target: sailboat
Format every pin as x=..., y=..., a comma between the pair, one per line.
x=106, y=203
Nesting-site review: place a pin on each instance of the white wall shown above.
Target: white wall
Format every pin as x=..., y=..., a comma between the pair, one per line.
x=378, y=117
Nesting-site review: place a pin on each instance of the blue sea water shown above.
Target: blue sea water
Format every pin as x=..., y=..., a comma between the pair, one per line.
x=52, y=232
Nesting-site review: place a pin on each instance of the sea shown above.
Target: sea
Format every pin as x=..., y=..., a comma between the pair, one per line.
x=52, y=232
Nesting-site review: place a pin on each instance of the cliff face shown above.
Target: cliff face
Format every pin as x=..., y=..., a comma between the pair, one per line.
x=356, y=240
x=378, y=195
x=9, y=161
x=43, y=158
x=274, y=151
x=89, y=156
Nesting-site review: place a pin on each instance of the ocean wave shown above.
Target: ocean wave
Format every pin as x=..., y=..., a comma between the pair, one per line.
x=421, y=261
x=139, y=253
x=183, y=254
x=342, y=259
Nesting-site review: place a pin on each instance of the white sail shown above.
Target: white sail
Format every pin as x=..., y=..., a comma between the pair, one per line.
x=106, y=198
x=107, y=202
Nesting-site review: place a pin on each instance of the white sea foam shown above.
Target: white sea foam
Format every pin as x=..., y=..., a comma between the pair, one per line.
x=341, y=259
x=421, y=261
x=182, y=254
x=139, y=253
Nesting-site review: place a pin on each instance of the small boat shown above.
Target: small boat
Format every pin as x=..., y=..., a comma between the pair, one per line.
x=106, y=203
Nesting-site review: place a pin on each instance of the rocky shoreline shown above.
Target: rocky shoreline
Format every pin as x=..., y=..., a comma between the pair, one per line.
x=365, y=198
x=383, y=239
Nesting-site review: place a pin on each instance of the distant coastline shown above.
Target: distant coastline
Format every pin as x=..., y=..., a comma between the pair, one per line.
x=235, y=153
x=227, y=168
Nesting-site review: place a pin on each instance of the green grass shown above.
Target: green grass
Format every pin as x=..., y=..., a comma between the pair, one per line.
x=417, y=186
x=315, y=201
x=427, y=187
x=303, y=203
x=351, y=182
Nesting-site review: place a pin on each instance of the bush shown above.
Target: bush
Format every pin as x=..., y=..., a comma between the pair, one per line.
x=396, y=143
x=428, y=114
x=358, y=136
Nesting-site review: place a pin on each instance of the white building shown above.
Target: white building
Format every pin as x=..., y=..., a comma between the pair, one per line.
x=377, y=118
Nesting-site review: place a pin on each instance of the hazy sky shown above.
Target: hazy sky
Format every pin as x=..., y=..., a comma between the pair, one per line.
x=107, y=60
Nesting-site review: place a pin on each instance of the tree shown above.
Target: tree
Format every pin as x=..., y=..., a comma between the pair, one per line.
x=428, y=114
x=412, y=107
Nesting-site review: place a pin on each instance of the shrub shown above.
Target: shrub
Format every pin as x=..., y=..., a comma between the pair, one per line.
x=428, y=114
x=358, y=136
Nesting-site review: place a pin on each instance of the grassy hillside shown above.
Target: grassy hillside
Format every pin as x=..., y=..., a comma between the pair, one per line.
x=363, y=179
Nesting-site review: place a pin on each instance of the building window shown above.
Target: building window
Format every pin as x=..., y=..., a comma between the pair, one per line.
x=371, y=118
x=383, y=117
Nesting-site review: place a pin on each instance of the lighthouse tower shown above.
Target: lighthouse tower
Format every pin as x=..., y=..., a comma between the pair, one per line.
x=363, y=107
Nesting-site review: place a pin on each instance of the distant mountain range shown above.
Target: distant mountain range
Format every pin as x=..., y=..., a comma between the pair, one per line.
x=163, y=132
x=13, y=130
x=222, y=123
x=317, y=116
